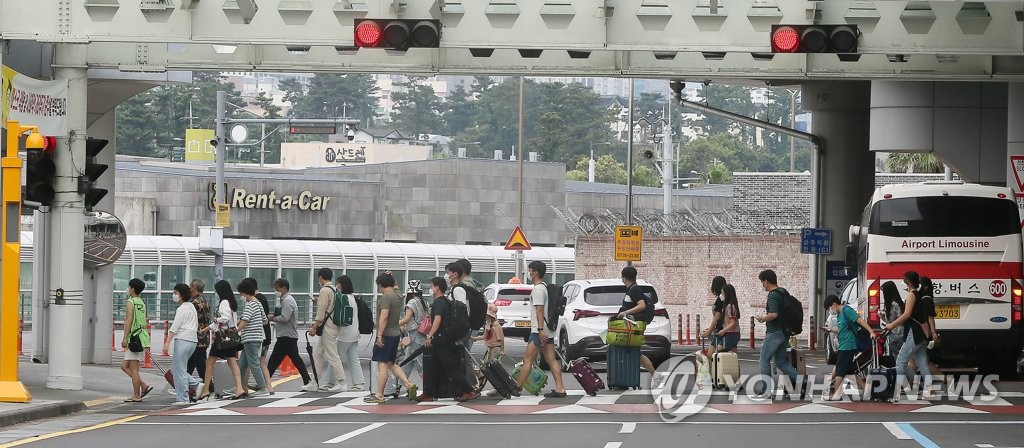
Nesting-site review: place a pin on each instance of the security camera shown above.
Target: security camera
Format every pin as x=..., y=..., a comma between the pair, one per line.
x=677, y=88
x=35, y=141
x=351, y=135
x=648, y=154
x=213, y=142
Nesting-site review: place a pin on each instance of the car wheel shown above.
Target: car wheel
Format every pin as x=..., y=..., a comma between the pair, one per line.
x=563, y=346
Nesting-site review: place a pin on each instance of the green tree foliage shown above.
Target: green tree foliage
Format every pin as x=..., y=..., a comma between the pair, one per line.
x=905, y=162
x=459, y=111
x=417, y=108
x=333, y=95
x=272, y=143
x=609, y=170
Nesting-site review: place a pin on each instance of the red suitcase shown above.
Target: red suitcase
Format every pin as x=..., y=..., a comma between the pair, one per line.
x=170, y=379
x=584, y=374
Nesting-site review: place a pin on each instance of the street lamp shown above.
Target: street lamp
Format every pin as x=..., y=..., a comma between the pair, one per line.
x=592, y=166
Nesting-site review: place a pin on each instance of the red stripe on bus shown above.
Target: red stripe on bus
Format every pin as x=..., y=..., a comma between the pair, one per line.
x=956, y=270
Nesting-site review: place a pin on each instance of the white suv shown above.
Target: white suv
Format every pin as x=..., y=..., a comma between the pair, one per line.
x=589, y=304
x=513, y=303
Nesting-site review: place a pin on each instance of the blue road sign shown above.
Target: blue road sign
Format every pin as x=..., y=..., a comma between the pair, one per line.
x=815, y=241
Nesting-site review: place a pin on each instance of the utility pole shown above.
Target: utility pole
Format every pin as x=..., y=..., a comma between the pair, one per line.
x=519, y=254
x=222, y=99
x=629, y=163
x=666, y=167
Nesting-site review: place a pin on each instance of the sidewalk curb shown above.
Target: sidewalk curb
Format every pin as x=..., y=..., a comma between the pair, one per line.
x=40, y=412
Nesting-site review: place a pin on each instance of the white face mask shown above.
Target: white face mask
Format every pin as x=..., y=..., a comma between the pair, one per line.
x=177, y=298
x=278, y=294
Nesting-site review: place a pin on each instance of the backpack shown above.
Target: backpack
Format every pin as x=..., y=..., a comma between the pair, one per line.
x=365, y=316
x=647, y=315
x=455, y=322
x=342, y=314
x=555, y=306
x=862, y=336
x=477, y=306
x=791, y=314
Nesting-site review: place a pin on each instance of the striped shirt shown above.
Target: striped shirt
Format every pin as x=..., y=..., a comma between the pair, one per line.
x=253, y=317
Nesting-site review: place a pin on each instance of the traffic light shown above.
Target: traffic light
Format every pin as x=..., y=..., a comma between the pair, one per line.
x=93, y=171
x=840, y=39
x=40, y=173
x=397, y=34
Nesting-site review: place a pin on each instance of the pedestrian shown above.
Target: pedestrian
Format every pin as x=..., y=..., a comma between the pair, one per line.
x=729, y=335
x=494, y=341
x=928, y=302
x=775, y=342
x=715, y=326
x=445, y=365
x=266, y=335
x=847, y=321
x=225, y=319
x=325, y=355
x=916, y=336
x=388, y=332
x=467, y=270
x=416, y=308
x=135, y=328
x=250, y=328
x=197, y=362
x=539, y=342
x=285, y=320
x=456, y=278
x=348, y=339
x=635, y=303
x=183, y=332
x=893, y=308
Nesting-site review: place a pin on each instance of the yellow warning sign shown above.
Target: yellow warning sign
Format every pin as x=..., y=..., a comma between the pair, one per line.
x=628, y=243
x=223, y=215
x=518, y=241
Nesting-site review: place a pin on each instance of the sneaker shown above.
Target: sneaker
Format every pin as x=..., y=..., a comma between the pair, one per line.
x=555, y=394
x=357, y=387
x=491, y=393
x=180, y=403
x=309, y=387
x=326, y=387
x=424, y=398
x=411, y=392
x=373, y=399
x=656, y=379
x=340, y=387
x=260, y=393
x=467, y=396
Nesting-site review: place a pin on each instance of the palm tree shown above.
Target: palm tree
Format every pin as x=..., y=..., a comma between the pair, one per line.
x=905, y=162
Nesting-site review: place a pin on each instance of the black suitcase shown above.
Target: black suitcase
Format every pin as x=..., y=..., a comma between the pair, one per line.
x=499, y=378
x=435, y=383
x=623, y=367
x=881, y=380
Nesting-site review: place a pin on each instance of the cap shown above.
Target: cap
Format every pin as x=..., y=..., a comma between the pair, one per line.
x=492, y=310
x=414, y=286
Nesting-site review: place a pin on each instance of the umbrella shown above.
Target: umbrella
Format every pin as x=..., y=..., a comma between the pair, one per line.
x=412, y=356
x=312, y=363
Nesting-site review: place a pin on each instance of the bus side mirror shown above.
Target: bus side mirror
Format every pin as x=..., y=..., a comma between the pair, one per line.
x=851, y=256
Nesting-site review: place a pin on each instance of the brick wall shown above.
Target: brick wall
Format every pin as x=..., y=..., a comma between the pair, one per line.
x=681, y=269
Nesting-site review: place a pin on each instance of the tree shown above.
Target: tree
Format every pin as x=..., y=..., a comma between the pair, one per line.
x=272, y=143
x=609, y=171
x=333, y=95
x=905, y=162
x=577, y=175
x=459, y=111
x=417, y=108
x=646, y=177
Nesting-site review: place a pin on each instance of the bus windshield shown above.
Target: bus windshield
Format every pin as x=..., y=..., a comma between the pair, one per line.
x=949, y=216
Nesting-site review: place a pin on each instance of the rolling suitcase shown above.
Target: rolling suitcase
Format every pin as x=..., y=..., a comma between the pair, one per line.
x=222, y=379
x=725, y=370
x=584, y=374
x=495, y=374
x=796, y=359
x=170, y=379
x=881, y=381
x=535, y=381
x=623, y=367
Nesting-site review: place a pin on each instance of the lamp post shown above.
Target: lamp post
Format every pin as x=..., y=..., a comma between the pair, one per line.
x=592, y=166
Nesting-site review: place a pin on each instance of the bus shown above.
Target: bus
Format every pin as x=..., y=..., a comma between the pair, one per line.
x=967, y=239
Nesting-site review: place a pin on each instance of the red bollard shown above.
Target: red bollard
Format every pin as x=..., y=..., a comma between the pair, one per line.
x=688, y=340
x=679, y=337
x=21, y=328
x=149, y=362
x=166, y=330
x=751, y=332
x=699, y=335
x=813, y=335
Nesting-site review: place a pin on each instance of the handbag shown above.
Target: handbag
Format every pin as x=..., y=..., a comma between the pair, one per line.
x=406, y=341
x=427, y=321
x=135, y=343
x=926, y=328
x=227, y=340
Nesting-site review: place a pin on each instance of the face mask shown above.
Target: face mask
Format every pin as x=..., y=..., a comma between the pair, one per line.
x=177, y=298
x=278, y=294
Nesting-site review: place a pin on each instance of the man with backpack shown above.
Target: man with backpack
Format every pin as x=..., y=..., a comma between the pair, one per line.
x=639, y=306
x=849, y=323
x=540, y=342
x=775, y=339
x=326, y=353
x=475, y=303
x=445, y=358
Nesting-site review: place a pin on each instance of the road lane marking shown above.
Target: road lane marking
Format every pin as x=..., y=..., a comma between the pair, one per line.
x=70, y=431
x=917, y=436
x=283, y=380
x=896, y=431
x=589, y=422
x=355, y=433
x=628, y=428
x=613, y=445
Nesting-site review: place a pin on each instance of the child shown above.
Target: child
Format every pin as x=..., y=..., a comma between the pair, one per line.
x=494, y=340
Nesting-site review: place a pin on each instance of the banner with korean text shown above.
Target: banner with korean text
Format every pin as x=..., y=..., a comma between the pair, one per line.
x=35, y=102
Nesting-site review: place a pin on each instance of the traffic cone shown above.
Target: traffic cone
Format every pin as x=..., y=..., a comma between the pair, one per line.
x=287, y=368
x=149, y=362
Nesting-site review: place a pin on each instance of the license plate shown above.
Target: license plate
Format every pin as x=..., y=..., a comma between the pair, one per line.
x=522, y=324
x=947, y=311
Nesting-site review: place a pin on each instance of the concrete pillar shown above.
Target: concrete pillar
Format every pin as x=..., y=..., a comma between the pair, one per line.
x=840, y=117
x=67, y=233
x=99, y=282
x=963, y=123
x=1014, y=131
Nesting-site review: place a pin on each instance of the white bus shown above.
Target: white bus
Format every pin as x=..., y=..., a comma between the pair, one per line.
x=967, y=239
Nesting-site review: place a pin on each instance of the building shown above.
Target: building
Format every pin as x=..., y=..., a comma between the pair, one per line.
x=321, y=155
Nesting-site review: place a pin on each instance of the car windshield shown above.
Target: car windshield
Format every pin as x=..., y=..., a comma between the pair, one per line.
x=515, y=295
x=613, y=295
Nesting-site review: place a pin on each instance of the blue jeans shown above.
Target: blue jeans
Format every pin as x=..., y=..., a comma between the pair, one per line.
x=920, y=354
x=250, y=360
x=179, y=369
x=774, y=347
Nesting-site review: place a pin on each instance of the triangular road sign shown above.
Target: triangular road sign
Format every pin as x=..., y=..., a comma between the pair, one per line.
x=1017, y=163
x=518, y=241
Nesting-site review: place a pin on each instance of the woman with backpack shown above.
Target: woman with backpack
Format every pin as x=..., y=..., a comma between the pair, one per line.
x=416, y=309
x=916, y=336
x=348, y=338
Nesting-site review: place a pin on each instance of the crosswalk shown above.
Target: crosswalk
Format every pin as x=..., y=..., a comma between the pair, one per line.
x=576, y=402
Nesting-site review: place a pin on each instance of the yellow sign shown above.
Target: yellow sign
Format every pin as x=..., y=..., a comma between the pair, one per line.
x=628, y=243
x=518, y=241
x=223, y=215
x=198, y=147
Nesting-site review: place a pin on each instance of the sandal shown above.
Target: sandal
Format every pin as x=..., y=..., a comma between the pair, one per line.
x=146, y=392
x=132, y=400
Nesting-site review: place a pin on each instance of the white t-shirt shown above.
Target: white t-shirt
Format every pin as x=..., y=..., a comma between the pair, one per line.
x=225, y=317
x=458, y=293
x=538, y=296
x=351, y=332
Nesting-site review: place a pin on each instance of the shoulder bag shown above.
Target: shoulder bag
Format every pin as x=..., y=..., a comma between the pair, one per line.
x=427, y=321
x=227, y=339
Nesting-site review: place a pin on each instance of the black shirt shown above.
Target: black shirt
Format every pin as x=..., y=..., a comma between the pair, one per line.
x=719, y=307
x=633, y=296
x=266, y=311
x=439, y=307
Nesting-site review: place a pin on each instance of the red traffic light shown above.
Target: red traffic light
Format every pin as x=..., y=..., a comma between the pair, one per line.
x=49, y=144
x=785, y=39
x=397, y=34
x=841, y=39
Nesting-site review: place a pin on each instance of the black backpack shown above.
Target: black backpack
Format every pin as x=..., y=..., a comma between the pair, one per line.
x=365, y=316
x=555, y=306
x=455, y=324
x=791, y=313
x=477, y=306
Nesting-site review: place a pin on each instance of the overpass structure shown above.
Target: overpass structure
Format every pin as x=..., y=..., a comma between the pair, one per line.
x=928, y=76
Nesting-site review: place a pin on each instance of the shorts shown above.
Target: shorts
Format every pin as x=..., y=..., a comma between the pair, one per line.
x=730, y=340
x=387, y=353
x=534, y=339
x=135, y=356
x=844, y=362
